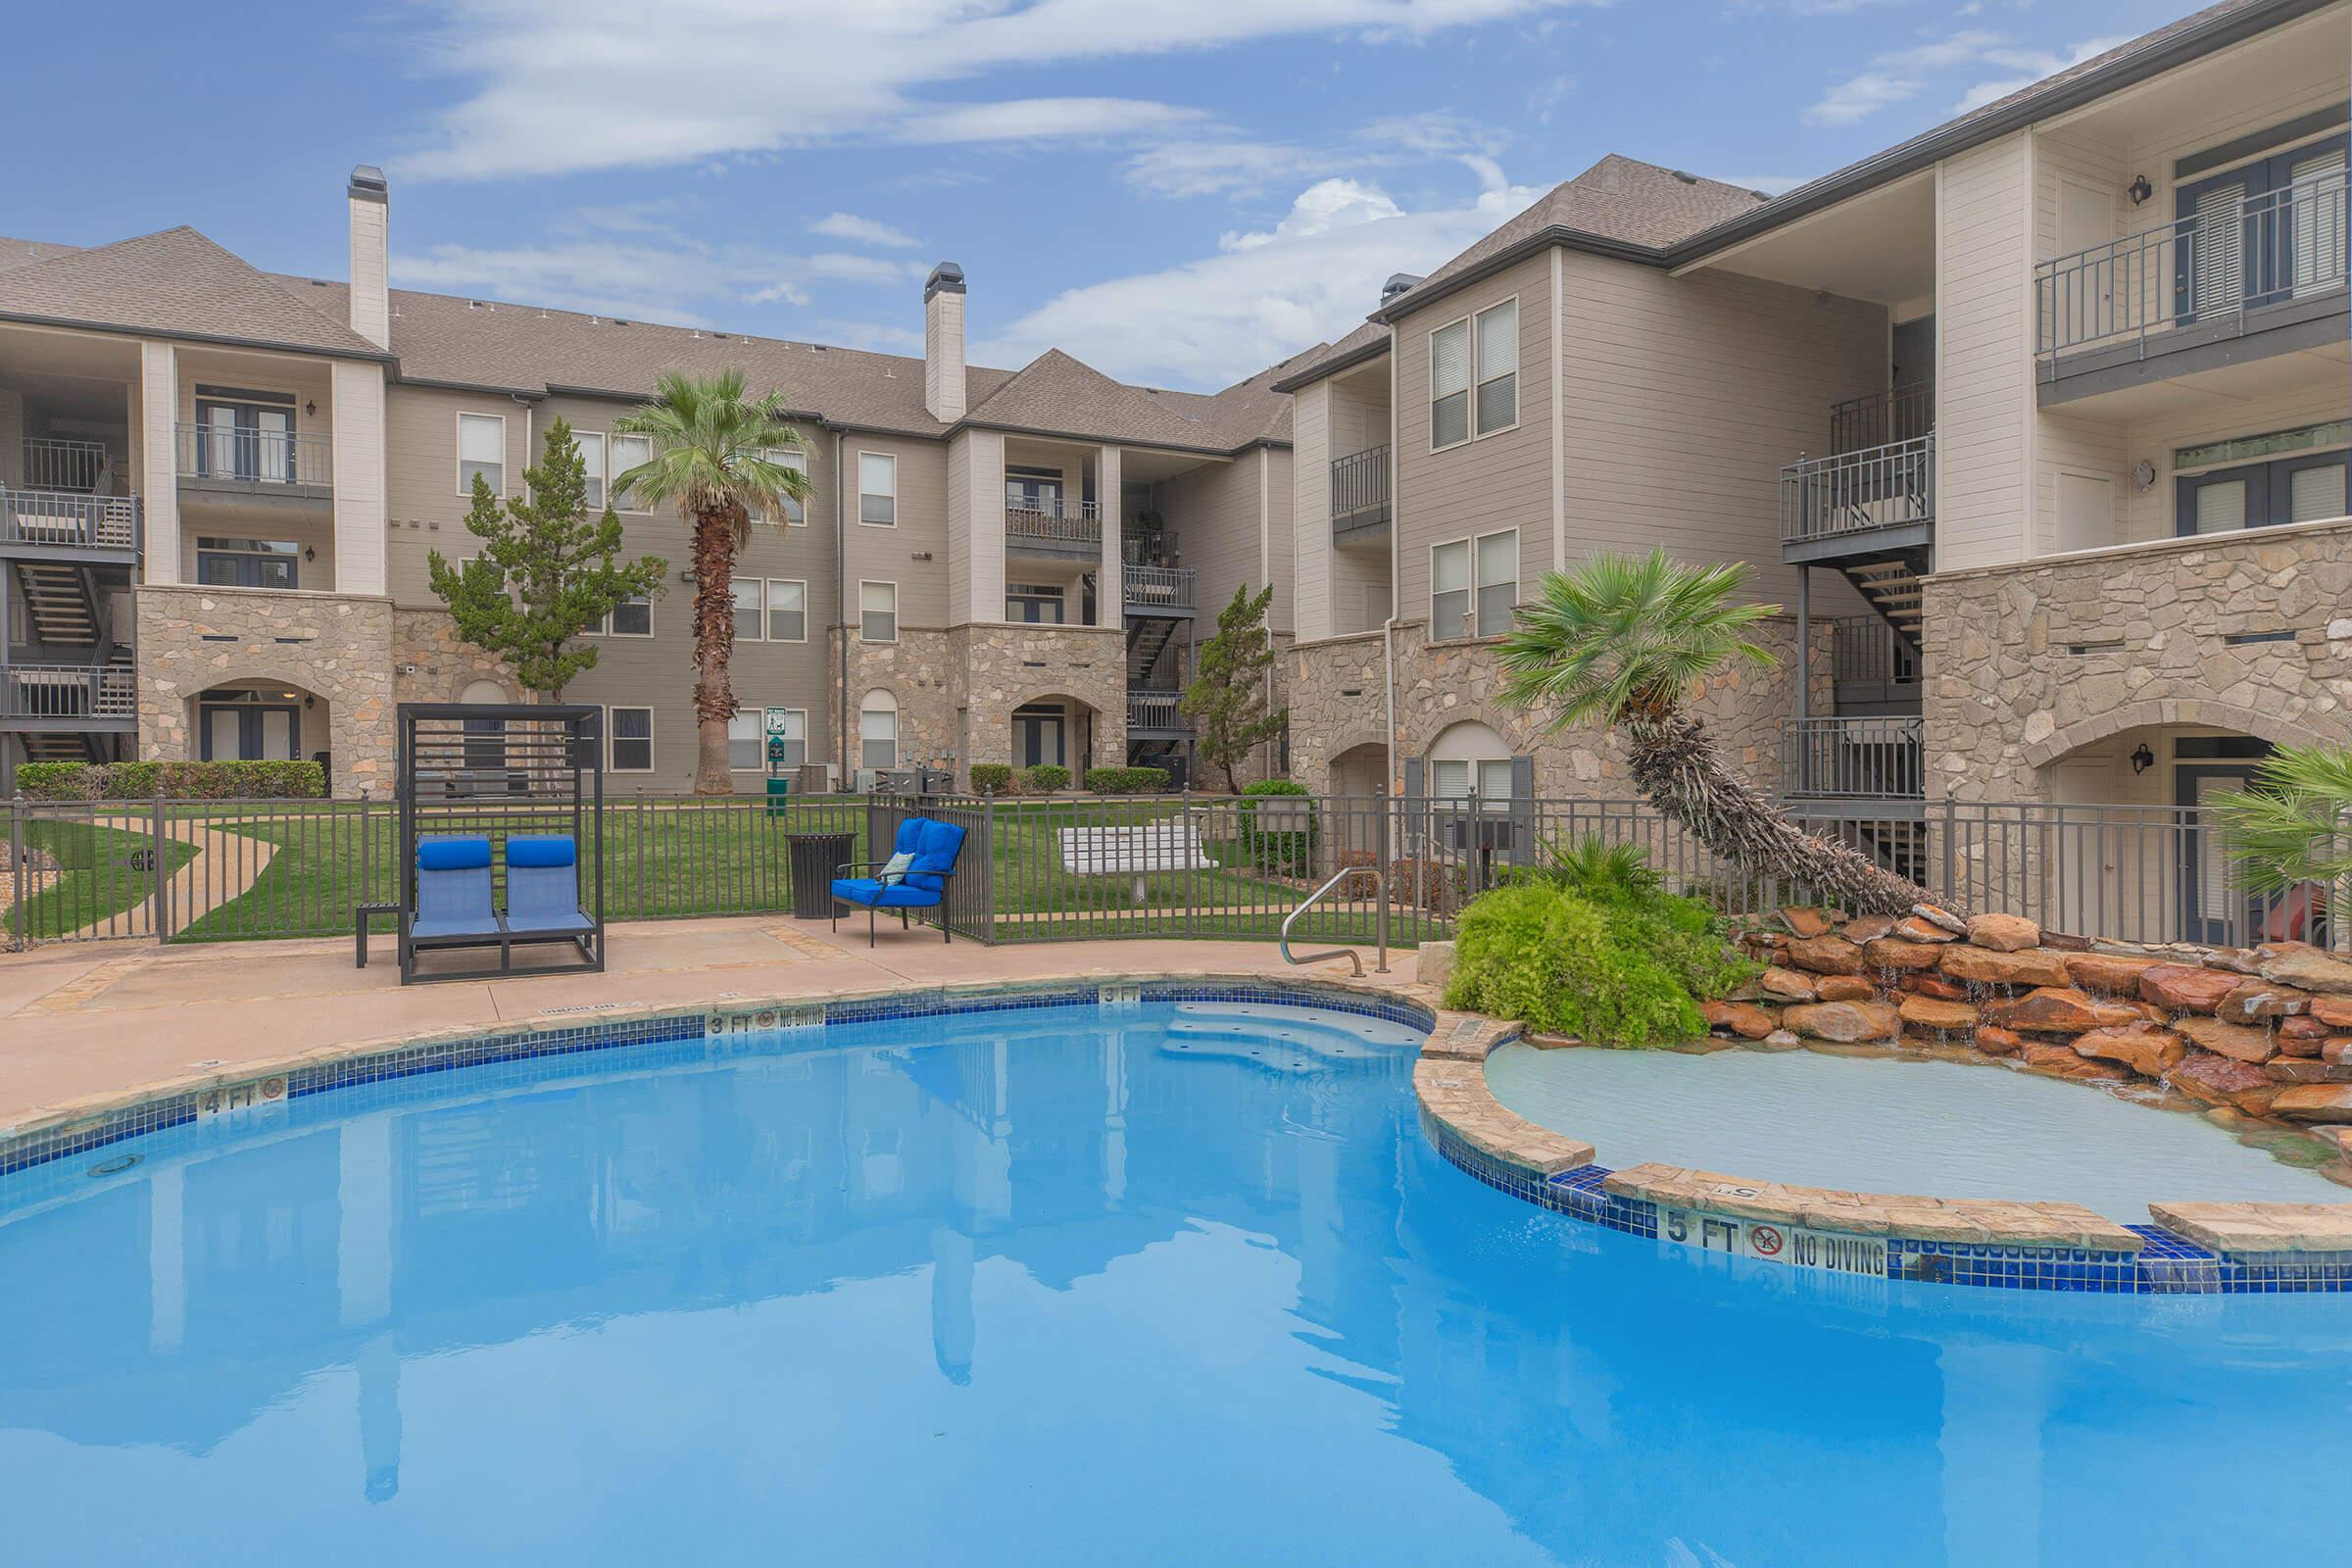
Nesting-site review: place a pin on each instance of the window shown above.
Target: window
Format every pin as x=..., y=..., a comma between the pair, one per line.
x=1473, y=586
x=878, y=489
x=2264, y=231
x=787, y=611
x=1497, y=359
x=752, y=730
x=629, y=452
x=631, y=618
x=1478, y=353
x=749, y=627
x=592, y=464
x=1450, y=385
x=632, y=730
x=2261, y=495
x=248, y=563
x=1455, y=778
x=1034, y=601
x=878, y=611
x=878, y=731
x=796, y=514
x=482, y=452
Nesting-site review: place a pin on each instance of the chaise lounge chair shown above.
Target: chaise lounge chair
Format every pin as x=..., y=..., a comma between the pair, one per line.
x=931, y=849
x=454, y=900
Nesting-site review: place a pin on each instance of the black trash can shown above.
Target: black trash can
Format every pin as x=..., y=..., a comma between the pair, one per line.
x=816, y=859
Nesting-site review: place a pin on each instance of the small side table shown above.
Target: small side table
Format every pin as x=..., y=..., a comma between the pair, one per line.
x=359, y=935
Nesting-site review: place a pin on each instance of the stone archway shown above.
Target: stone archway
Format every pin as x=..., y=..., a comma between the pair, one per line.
x=1057, y=727
x=2155, y=712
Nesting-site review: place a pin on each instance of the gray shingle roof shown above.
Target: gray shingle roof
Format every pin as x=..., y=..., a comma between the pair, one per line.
x=1367, y=341
x=175, y=283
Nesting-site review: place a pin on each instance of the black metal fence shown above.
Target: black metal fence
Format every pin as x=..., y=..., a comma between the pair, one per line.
x=1114, y=867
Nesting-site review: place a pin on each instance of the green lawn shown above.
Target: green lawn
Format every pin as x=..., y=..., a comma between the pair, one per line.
x=106, y=874
x=672, y=859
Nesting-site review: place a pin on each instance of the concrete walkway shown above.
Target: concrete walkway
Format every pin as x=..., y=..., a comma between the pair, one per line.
x=224, y=869
x=86, y=1019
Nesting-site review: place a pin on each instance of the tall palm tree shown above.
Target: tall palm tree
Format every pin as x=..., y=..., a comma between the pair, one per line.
x=713, y=456
x=1620, y=642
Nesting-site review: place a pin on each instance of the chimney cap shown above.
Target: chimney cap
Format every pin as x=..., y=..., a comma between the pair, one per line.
x=945, y=278
x=367, y=184
x=1396, y=285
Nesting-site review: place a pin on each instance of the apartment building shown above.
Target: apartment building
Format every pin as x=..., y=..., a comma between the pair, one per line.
x=2035, y=425
x=220, y=488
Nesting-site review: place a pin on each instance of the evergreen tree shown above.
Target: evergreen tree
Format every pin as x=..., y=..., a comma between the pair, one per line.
x=548, y=572
x=1227, y=699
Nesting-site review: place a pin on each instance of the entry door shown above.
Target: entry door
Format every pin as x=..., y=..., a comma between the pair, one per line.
x=2212, y=908
x=247, y=732
x=2268, y=230
x=1038, y=739
x=245, y=441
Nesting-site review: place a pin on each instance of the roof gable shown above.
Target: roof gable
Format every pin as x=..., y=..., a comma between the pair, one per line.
x=1056, y=393
x=175, y=283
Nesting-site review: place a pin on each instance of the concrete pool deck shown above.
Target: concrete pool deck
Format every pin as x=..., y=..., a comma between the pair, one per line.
x=79, y=1021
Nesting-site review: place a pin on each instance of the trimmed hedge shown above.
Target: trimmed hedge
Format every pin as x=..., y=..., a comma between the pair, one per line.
x=1046, y=777
x=1127, y=780
x=992, y=778
x=172, y=781
x=1285, y=849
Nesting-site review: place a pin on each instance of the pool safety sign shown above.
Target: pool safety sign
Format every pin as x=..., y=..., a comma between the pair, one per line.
x=1774, y=1241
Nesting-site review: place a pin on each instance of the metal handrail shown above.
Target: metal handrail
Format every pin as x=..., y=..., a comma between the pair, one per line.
x=247, y=456
x=1359, y=483
x=2274, y=246
x=1073, y=522
x=1888, y=486
x=1874, y=756
x=68, y=691
x=1380, y=890
x=69, y=519
x=1161, y=587
x=1900, y=414
x=63, y=463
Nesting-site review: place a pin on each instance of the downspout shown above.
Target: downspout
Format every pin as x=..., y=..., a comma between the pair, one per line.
x=1388, y=629
x=841, y=709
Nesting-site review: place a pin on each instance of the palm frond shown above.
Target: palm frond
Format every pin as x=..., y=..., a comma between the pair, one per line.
x=2296, y=825
x=713, y=447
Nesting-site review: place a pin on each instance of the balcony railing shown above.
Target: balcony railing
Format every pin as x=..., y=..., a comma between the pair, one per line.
x=69, y=520
x=2212, y=264
x=68, y=692
x=1061, y=525
x=1154, y=709
x=55, y=464
x=258, y=458
x=1870, y=653
x=1891, y=486
x=1153, y=590
x=1882, y=419
x=1851, y=758
x=1359, y=492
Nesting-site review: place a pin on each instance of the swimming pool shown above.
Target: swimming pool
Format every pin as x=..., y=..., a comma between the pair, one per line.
x=1885, y=1124
x=1165, y=1283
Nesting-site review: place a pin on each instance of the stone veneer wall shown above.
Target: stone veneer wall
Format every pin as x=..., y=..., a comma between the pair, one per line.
x=337, y=647
x=1442, y=684
x=921, y=670
x=2265, y=1032
x=432, y=664
x=957, y=688
x=2006, y=696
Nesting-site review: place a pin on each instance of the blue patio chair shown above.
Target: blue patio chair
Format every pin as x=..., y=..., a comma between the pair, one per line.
x=931, y=849
x=543, y=890
x=454, y=907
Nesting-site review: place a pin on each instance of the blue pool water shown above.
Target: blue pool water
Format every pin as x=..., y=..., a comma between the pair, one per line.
x=1060, y=1286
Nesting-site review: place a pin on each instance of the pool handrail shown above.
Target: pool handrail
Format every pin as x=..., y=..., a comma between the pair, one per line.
x=1380, y=891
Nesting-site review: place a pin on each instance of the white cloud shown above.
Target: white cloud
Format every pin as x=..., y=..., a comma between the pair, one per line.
x=1214, y=321
x=2033, y=67
x=1224, y=168
x=1857, y=98
x=569, y=86
x=1897, y=75
x=862, y=231
x=677, y=283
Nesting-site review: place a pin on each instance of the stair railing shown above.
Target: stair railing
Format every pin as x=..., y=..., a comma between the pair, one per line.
x=1380, y=888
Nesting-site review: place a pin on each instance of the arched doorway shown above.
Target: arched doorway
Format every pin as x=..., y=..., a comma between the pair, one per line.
x=1054, y=730
x=259, y=720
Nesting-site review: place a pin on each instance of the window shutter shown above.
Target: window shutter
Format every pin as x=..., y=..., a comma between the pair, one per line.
x=1523, y=811
x=2317, y=220
x=2217, y=276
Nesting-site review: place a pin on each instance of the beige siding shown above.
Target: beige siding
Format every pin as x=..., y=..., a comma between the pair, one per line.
x=1984, y=360
x=1682, y=401
x=1282, y=561
x=1310, y=509
x=887, y=554
x=1214, y=511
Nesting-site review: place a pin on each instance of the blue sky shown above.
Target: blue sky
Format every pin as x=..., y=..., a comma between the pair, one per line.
x=1179, y=194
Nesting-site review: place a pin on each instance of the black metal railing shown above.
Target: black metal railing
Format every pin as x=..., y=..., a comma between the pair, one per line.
x=1360, y=490
x=1888, y=486
x=244, y=456
x=69, y=520
x=1882, y=419
x=1149, y=708
x=1160, y=590
x=1868, y=652
x=69, y=693
x=60, y=462
x=1853, y=759
x=1061, y=524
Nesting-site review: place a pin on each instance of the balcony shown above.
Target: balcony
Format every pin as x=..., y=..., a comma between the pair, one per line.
x=56, y=464
x=1881, y=499
x=69, y=525
x=1359, y=497
x=1882, y=419
x=1061, y=530
x=287, y=464
x=1873, y=665
x=1852, y=759
x=69, y=697
x=1160, y=592
x=1153, y=715
x=2272, y=263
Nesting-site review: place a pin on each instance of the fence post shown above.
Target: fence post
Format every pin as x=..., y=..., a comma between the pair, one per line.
x=16, y=844
x=1951, y=824
x=159, y=886
x=1380, y=883
x=988, y=870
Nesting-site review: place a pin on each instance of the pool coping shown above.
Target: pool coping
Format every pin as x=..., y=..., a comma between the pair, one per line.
x=2192, y=1248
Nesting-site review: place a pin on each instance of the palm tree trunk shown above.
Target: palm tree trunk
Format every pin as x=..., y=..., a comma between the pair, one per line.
x=1675, y=764
x=715, y=535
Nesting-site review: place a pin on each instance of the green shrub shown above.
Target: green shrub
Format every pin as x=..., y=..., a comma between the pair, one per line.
x=992, y=778
x=1127, y=780
x=1046, y=777
x=172, y=781
x=1281, y=840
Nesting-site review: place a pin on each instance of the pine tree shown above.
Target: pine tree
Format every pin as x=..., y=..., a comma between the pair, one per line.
x=548, y=572
x=1227, y=699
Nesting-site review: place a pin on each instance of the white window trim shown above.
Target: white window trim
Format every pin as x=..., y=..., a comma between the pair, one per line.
x=761, y=712
x=612, y=739
x=891, y=458
x=863, y=583
x=768, y=609
x=1473, y=541
x=612, y=466
x=505, y=456
x=807, y=471
x=604, y=447
x=604, y=627
x=1469, y=321
x=897, y=733
x=758, y=609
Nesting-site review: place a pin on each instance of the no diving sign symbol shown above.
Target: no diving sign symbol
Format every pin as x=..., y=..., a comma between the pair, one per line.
x=1765, y=1240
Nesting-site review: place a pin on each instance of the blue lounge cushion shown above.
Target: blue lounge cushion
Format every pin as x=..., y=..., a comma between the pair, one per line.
x=465, y=853
x=431, y=928
x=868, y=894
x=937, y=844
x=553, y=849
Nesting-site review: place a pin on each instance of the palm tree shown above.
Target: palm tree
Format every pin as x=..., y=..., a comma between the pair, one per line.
x=713, y=456
x=1620, y=642
x=2294, y=826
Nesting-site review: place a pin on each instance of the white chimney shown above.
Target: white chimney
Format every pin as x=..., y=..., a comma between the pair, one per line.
x=943, y=343
x=370, y=283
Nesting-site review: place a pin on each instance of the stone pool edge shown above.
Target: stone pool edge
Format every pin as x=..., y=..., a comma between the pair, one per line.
x=2193, y=1249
